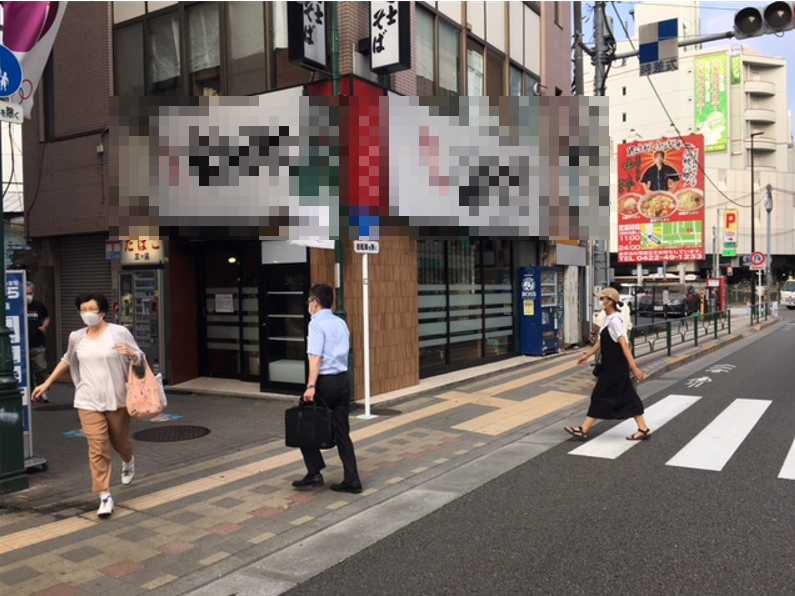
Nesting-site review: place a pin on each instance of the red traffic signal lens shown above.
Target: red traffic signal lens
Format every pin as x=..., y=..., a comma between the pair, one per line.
x=748, y=21
x=778, y=15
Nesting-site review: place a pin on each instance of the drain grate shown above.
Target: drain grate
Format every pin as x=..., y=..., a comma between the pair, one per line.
x=384, y=412
x=170, y=434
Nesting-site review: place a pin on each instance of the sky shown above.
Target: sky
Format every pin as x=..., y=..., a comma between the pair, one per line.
x=716, y=17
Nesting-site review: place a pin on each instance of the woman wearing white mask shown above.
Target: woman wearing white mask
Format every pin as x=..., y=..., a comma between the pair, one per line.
x=98, y=358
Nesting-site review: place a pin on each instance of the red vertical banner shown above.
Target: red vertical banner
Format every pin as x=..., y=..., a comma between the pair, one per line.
x=661, y=200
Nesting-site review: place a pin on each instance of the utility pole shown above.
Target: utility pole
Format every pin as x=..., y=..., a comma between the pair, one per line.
x=579, y=82
x=600, y=57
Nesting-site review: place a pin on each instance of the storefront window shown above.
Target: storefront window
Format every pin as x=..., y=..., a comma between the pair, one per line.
x=498, y=298
x=465, y=301
x=432, y=280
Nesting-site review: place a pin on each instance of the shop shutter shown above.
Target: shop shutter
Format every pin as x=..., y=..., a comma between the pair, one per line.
x=82, y=268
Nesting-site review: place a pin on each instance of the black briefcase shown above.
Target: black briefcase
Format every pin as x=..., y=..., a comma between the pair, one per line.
x=309, y=425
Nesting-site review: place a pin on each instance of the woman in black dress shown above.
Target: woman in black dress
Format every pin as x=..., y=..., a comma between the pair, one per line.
x=614, y=397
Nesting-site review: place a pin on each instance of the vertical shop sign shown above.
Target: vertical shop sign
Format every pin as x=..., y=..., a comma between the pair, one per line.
x=306, y=31
x=712, y=115
x=730, y=223
x=737, y=69
x=390, y=41
x=17, y=323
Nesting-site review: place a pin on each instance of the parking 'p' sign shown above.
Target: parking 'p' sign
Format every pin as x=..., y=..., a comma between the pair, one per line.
x=10, y=73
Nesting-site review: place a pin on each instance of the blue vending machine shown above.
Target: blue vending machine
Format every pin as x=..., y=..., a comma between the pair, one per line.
x=539, y=309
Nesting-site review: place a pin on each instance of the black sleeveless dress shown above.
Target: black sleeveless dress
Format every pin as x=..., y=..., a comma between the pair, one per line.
x=614, y=397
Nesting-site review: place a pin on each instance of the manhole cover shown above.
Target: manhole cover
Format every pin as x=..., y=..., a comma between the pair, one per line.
x=385, y=412
x=169, y=434
x=53, y=407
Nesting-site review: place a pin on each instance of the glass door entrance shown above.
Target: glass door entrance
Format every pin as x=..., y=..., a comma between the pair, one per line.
x=230, y=301
x=283, y=320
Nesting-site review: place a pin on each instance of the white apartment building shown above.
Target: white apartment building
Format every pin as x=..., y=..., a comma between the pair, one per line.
x=756, y=102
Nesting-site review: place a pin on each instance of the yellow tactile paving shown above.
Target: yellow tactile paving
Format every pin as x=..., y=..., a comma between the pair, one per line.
x=302, y=520
x=159, y=582
x=518, y=414
x=478, y=399
x=49, y=531
x=529, y=379
x=212, y=560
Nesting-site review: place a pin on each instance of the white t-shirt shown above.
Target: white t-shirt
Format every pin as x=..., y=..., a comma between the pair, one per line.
x=615, y=326
x=626, y=317
x=95, y=391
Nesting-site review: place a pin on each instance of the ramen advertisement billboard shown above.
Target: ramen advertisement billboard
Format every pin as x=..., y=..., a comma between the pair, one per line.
x=661, y=200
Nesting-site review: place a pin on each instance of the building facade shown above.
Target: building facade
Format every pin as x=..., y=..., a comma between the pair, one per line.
x=233, y=305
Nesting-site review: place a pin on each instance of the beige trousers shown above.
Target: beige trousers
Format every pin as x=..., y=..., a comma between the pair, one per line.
x=103, y=429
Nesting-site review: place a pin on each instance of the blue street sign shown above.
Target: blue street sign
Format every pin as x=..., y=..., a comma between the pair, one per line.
x=10, y=73
x=17, y=322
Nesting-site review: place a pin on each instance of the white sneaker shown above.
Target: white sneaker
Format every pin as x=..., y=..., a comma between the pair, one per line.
x=105, y=507
x=127, y=472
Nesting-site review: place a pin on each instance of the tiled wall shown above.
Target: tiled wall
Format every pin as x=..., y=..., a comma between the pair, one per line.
x=394, y=331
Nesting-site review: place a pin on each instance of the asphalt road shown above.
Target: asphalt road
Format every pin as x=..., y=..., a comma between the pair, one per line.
x=569, y=524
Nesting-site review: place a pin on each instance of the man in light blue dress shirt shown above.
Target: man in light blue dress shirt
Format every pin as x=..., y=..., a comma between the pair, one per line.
x=327, y=348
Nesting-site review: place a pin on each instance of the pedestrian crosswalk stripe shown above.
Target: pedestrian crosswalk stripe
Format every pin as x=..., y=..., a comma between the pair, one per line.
x=612, y=443
x=788, y=469
x=714, y=446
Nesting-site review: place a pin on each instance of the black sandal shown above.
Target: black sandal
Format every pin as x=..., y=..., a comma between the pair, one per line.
x=644, y=435
x=577, y=433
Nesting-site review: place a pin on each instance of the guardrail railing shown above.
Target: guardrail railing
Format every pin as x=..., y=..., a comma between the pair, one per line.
x=665, y=335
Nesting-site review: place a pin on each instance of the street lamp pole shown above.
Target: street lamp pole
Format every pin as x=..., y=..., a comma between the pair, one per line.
x=753, y=216
x=768, y=261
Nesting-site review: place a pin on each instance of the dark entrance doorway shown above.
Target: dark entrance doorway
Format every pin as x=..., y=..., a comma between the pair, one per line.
x=229, y=305
x=283, y=325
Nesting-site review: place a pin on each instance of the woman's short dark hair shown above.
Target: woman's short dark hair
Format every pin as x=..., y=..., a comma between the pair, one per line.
x=323, y=293
x=100, y=299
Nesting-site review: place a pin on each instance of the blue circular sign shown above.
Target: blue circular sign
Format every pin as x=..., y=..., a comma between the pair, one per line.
x=10, y=73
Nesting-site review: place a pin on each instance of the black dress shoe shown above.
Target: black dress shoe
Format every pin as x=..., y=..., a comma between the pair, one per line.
x=347, y=487
x=309, y=480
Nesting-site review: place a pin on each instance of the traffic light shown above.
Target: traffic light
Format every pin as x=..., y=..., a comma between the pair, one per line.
x=753, y=21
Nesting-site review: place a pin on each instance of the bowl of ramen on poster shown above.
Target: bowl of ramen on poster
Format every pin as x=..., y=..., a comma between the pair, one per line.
x=628, y=205
x=689, y=200
x=658, y=206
